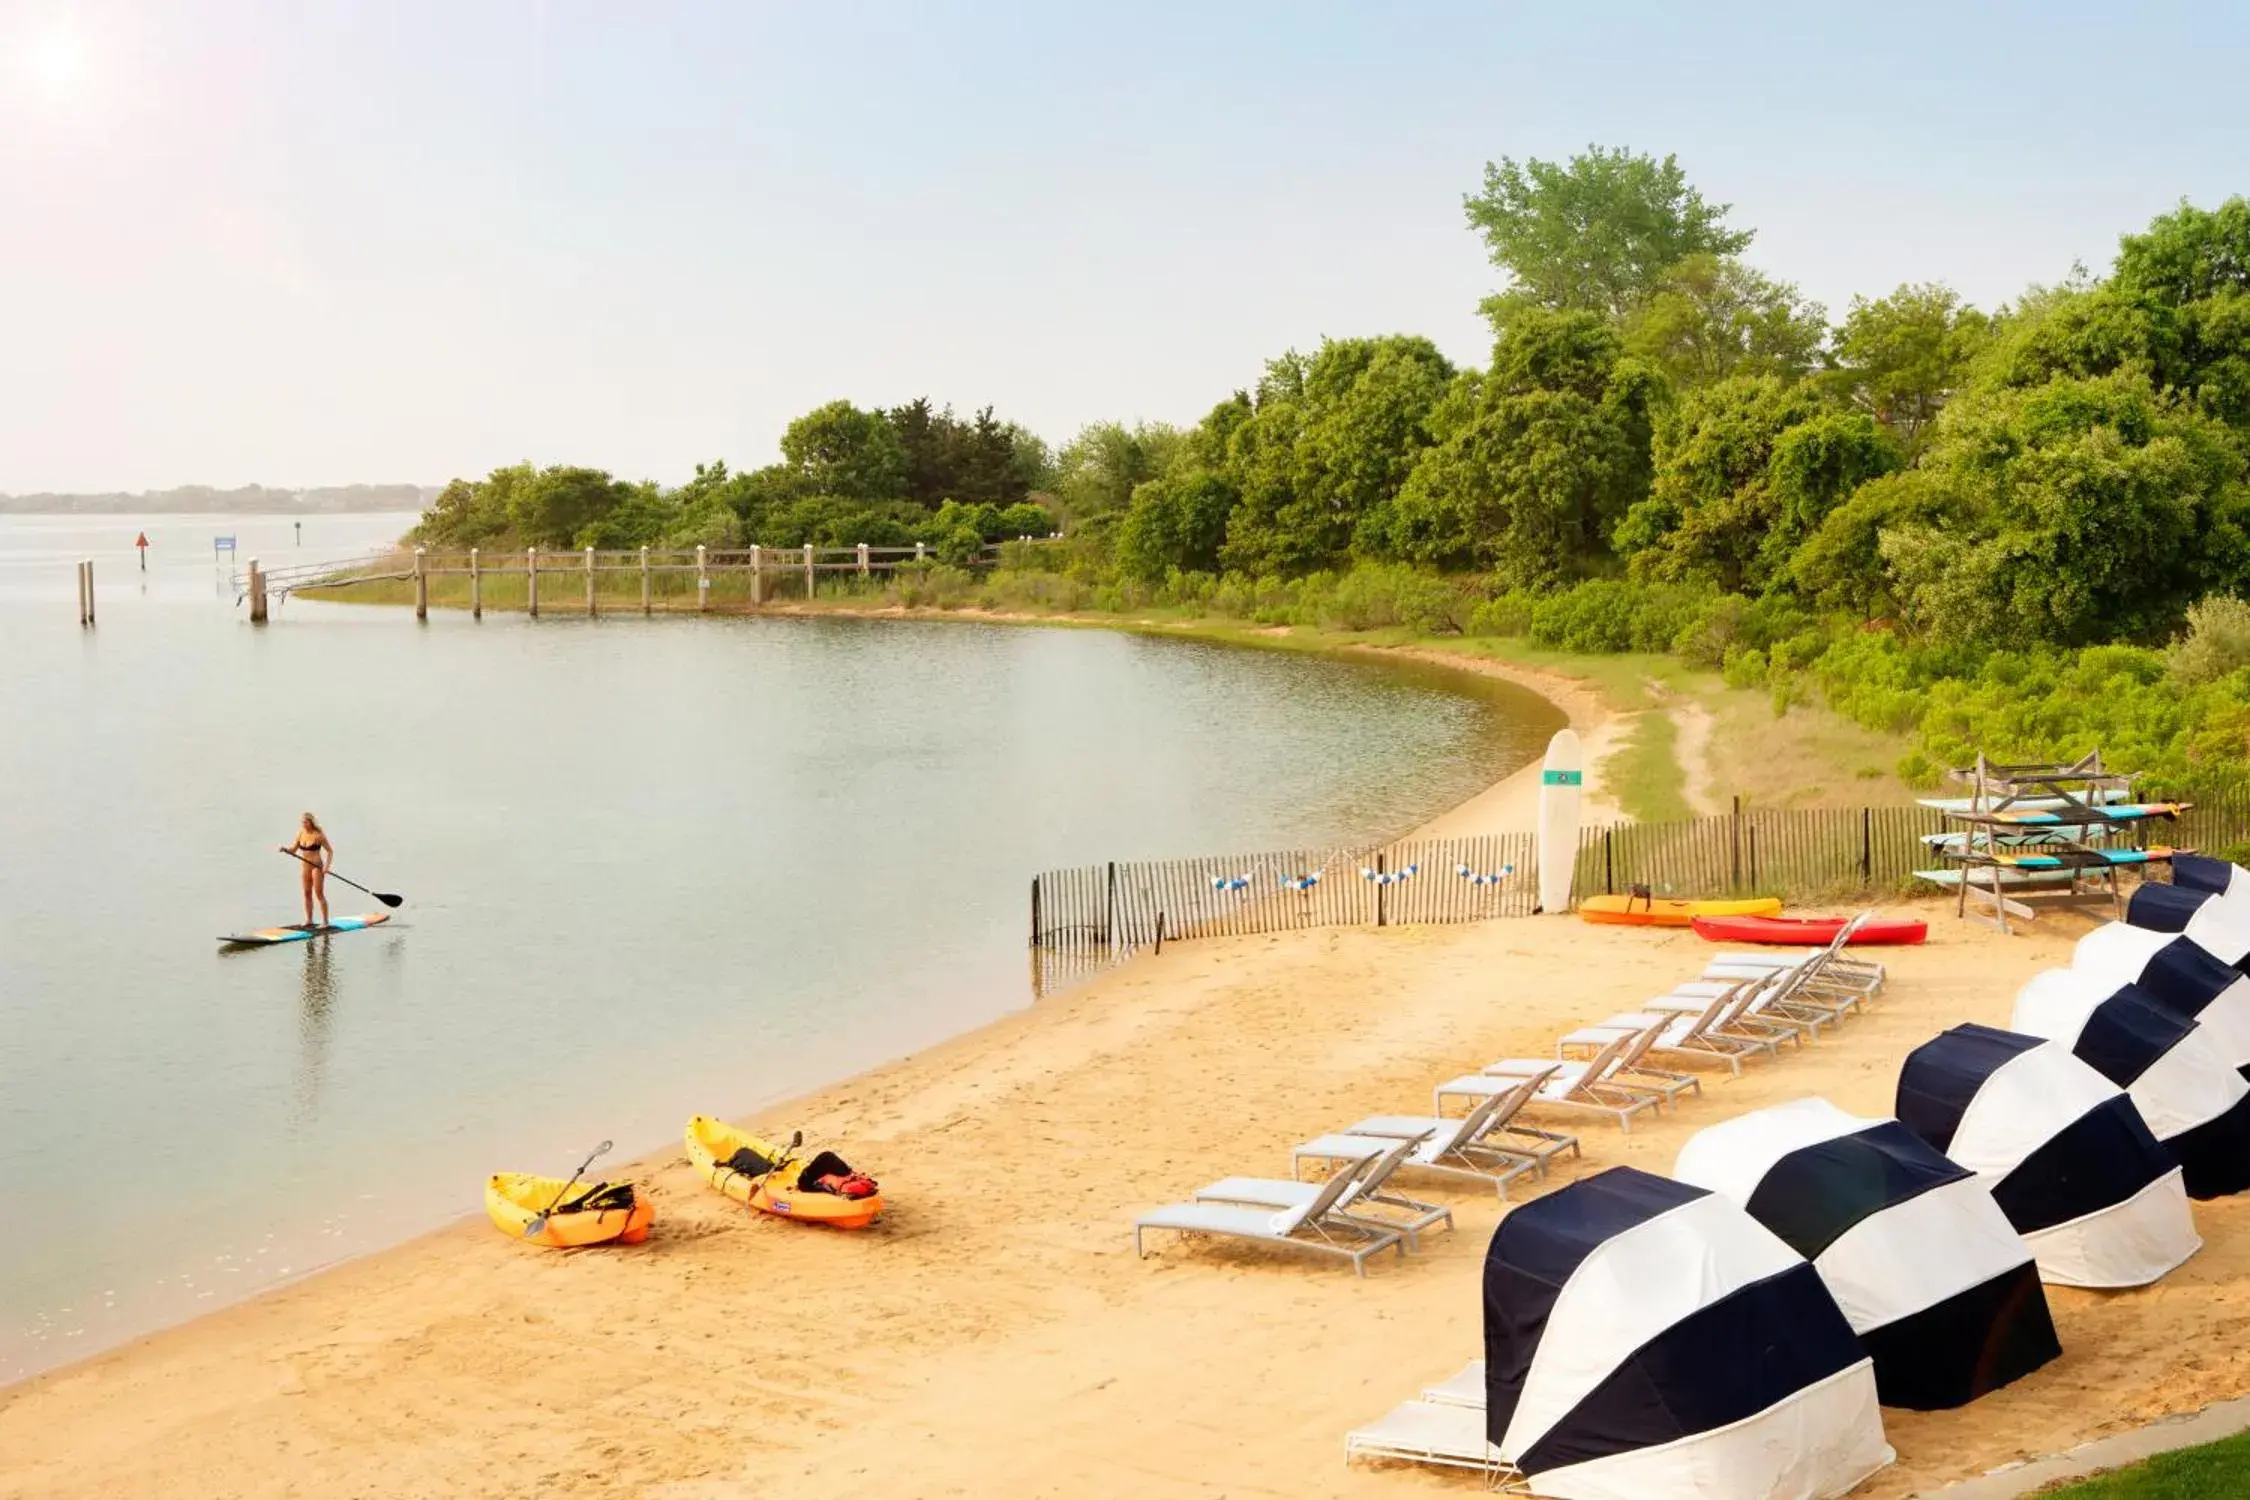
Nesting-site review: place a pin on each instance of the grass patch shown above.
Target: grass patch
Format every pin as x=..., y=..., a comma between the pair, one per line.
x=1807, y=757
x=2215, y=1471
x=1643, y=774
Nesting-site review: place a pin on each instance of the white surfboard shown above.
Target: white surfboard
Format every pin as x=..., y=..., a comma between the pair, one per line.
x=1559, y=786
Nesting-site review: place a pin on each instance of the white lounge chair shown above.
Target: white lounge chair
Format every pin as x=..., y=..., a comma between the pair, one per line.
x=1480, y=1145
x=1430, y=1432
x=1314, y=1225
x=1590, y=1086
x=1374, y=1163
x=1702, y=1036
x=1770, y=1011
x=1840, y=969
x=1465, y=1387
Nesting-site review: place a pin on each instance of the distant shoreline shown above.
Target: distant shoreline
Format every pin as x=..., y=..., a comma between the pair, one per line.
x=248, y=500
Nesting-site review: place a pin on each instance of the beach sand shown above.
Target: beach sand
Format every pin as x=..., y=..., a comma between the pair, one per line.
x=994, y=1333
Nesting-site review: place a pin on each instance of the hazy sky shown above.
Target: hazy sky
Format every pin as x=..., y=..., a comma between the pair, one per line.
x=301, y=244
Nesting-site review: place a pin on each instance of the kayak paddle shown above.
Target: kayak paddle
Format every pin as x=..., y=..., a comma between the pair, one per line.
x=539, y=1220
x=383, y=896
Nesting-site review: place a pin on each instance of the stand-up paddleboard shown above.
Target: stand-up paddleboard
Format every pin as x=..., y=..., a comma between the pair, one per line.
x=266, y=936
x=1559, y=784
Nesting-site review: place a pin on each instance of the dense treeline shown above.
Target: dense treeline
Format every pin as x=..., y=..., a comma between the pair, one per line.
x=886, y=478
x=1979, y=527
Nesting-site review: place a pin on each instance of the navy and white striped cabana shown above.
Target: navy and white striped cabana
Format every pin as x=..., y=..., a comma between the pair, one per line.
x=2191, y=1099
x=2200, y=872
x=2179, y=974
x=2067, y=1156
x=1940, y=1288
x=1648, y=1338
x=2217, y=921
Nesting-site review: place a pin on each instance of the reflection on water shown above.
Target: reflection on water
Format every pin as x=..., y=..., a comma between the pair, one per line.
x=316, y=1008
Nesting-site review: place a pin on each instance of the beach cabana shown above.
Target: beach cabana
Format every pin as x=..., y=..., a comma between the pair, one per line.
x=1648, y=1340
x=2178, y=973
x=2218, y=922
x=1940, y=1288
x=2200, y=872
x=2067, y=1156
x=2193, y=1101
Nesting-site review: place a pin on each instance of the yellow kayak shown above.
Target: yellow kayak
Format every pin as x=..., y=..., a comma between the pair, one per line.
x=593, y=1213
x=1644, y=911
x=786, y=1181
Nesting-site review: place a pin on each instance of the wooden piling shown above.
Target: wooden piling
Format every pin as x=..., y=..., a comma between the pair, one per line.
x=702, y=578
x=257, y=593
x=421, y=585
x=863, y=560
x=589, y=583
x=808, y=571
x=89, y=591
x=645, y=605
x=85, y=611
x=531, y=580
x=918, y=552
x=476, y=586
x=757, y=575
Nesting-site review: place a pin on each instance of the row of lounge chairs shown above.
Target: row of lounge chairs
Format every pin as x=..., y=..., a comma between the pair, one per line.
x=1743, y=1005
x=1749, y=1005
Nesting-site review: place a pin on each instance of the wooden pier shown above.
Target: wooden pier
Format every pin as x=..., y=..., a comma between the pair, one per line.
x=593, y=581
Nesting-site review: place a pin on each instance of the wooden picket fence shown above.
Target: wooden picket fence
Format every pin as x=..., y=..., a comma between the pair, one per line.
x=1090, y=917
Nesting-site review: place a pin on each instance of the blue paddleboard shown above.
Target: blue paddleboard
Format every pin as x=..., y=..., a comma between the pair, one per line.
x=266, y=936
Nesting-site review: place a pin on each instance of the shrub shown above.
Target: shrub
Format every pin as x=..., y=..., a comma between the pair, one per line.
x=2217, y=641
x=1508, y=615
x=931, y=585
x=1379, y=597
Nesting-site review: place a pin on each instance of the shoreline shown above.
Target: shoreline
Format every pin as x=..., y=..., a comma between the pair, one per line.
x=1509, y=804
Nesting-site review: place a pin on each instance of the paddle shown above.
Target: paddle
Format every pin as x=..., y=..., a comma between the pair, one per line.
x=383, y=896
x=539, y=1220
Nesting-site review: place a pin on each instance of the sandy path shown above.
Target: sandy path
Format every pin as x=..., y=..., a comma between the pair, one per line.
x=1693, y=751
x=995, y=1335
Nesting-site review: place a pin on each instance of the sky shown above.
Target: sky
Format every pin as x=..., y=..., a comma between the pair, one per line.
x=260, y=241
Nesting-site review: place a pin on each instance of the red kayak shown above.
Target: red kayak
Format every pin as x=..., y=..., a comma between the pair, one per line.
x=1811, y=932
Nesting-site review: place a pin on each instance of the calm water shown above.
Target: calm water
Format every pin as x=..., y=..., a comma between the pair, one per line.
x=651, y=868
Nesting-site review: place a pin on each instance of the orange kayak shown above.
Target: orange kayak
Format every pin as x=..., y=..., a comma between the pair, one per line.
x=1643, y=911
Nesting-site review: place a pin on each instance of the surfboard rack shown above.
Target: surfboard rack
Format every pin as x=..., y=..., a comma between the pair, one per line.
x=2080, y=808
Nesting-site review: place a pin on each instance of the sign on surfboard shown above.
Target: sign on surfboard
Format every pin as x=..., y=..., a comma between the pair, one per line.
x=1560, y=784
x=266, y=936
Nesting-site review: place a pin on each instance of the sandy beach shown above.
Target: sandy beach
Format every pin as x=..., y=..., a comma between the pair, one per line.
x=995, y=1334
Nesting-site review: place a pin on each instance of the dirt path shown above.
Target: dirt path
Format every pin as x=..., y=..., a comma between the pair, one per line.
x=1692, y=749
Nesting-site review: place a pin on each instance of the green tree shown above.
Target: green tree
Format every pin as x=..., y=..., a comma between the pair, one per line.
x=1712, y=317
x=1600, y=232
x=556, y=504
x=1744, y=470
x=2188, y=273
x=2081, y=510
x=1331, y=442
x=840, y=450
x=1535, y=463
x=471, y=513
x=1177, y=522
x=1901, y=357
x=1099, y=469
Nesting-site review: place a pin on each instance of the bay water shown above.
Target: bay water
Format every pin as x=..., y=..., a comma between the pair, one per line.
x=652, y=867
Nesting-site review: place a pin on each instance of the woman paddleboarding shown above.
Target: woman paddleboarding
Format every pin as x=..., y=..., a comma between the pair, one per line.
x=315, y=854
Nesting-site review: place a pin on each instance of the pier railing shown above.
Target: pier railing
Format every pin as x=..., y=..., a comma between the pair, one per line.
x=1086, y=919
x=593, y=581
